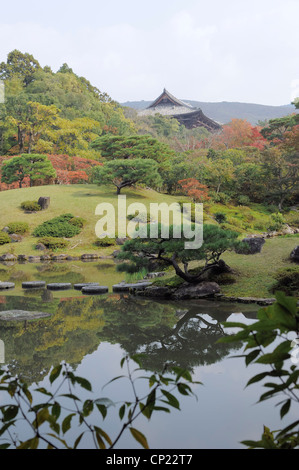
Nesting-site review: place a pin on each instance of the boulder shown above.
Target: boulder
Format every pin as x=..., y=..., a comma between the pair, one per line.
x=254, y=246
x=89, y=256
x=295, y=254
x=44, y=202
x=6, y=285
x=33, y=285
x=196, y=291
x=40, y=246
x=8, y=257
x=15, y=238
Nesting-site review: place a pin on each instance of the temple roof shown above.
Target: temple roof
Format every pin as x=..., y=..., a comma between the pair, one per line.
x=167, y=98
x=168, y=105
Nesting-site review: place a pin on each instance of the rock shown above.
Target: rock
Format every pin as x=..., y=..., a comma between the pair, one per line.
x=154, y=275
x=196, y=291
x=34, y=259
x=254, y=246
x=89, y=257
x=95, y=290
x=45, y=258
x=157, y=292
x=33, y=284
x=16, y=238
x=121, y=241
x=5, y=229
x=86, y=284
x=8, y=257
x=44, y=202
x=59, y=286
x=21, y=315
x=59, y=257
x=40, y=246
x=295, y=255
x=6, y=285
x=124, y=287
x=22, y=258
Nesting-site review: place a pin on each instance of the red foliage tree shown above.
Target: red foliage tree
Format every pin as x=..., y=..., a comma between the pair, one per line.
x=195, y=190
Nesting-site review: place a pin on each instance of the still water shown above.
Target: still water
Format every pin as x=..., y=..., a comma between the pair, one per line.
x=93, y=333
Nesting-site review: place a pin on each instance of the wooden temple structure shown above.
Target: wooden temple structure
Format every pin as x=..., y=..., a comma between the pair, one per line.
x=191, y=117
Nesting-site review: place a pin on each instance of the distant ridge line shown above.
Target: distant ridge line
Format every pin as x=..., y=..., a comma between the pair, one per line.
x=225, y=111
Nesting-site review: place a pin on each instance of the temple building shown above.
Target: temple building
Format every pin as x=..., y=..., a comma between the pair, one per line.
x=167, y=105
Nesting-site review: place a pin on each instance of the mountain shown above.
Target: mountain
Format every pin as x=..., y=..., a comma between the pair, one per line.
x=223, y=112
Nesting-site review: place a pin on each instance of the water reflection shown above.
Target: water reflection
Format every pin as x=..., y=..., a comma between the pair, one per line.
x=182, y=333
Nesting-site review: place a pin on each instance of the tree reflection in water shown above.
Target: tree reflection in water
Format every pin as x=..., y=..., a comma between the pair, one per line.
x=184, y=333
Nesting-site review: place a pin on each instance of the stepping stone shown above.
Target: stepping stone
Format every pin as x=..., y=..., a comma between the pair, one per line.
x=126, y=287
x=21, y=315
x=33, y=285
x=59, y=286
x=95, y=290
x=7, y=285
x=87, y=284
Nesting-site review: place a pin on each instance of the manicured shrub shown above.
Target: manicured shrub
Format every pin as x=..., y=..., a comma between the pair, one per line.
x=31, y=206
x=78, y=222
x=287, y=281
x=105, y=242
x=18, y=227
x=4, y=238
x=53, y=243
x=276, y=222
x=59, y=227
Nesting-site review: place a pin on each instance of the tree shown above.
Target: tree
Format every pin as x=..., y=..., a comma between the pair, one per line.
x=35, y=167
x=126, y=173
x=14, y=170
x=19, y=65
x=281, y=174
x=195, y=190
x=238, y=133
x=171, y=251
x=113, y=147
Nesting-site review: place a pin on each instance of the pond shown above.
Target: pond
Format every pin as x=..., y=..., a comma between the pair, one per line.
x=93, y=333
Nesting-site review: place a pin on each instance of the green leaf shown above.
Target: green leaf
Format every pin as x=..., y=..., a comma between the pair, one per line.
x=78, y=440
x=285, y=408
x=66, y=424
x=84, y=383
x=55, y=373
x=139, y=437
x=171, y=400
x=10, y=413
x=122, y=411
x=257, y=378
x=103, y=434
x=253, y=355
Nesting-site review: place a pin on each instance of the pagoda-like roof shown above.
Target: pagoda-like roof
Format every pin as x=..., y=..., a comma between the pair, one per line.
x=168, y=105
x=167, y=99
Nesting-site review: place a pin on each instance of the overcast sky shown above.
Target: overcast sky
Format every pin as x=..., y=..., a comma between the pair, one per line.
x=205, y=50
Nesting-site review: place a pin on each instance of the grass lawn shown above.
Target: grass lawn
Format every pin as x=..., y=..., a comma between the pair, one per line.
x=79, y=200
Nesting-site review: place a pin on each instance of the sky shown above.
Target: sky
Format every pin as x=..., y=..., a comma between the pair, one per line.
x=212, y=50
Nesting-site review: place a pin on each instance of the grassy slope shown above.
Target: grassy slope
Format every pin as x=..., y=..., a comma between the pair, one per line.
x=80, y=200
x=255, y=273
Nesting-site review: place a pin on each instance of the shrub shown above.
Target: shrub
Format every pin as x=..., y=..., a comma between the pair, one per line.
x=105, y=242
x=31, y=206
x=220, y=217
x=276, y=222
x=53, y=243
x=4, y=238
x=243, y=200
x=18, y=227
x=59, y=227
x=287, y=281
x=77, y=222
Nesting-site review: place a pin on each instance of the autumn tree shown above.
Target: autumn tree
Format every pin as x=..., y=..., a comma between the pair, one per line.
x=195, y=190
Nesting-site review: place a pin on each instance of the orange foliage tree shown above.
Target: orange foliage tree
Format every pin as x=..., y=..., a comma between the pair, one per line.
x=195, y=190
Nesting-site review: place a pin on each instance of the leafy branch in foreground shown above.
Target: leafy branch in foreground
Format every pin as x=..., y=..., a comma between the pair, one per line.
x=273, y=329
x=61, y=410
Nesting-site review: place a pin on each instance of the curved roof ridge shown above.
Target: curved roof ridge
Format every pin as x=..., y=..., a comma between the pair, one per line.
x=172, y=98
